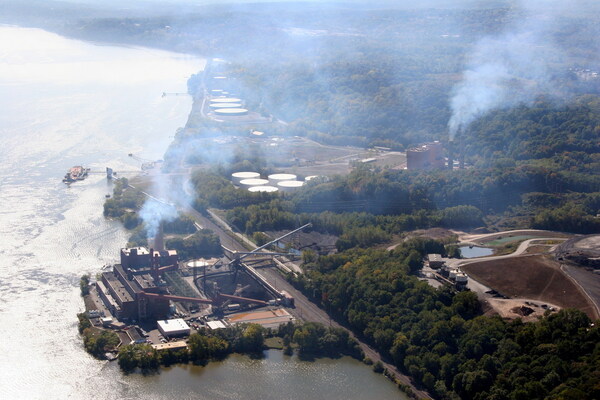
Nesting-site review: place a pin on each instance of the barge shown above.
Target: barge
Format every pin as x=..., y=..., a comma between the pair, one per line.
x=76, y=173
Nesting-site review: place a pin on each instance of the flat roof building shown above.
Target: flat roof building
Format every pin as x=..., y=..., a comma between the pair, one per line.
x=173, y=327
x=213, y=325
x=435, y=260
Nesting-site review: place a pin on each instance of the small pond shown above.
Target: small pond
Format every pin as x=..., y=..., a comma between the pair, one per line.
x=472, y=252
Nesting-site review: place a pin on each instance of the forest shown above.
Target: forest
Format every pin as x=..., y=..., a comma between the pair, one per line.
x=441, y=339
x=308, y=339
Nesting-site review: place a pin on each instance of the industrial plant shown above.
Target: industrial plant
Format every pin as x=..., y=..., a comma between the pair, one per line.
x=425, y=156
x=153, y=290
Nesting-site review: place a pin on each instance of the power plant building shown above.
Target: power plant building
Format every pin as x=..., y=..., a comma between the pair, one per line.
x=426, y=156
x=139, y=257
x=123, y=289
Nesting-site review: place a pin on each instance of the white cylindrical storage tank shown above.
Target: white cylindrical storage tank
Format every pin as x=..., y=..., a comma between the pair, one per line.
x=289, y=186
x=276, y=178
x=453, y=274
x=310, y=178
x=237, y=177
x=231, y=111
x=217, y=92
x=253, y=182
x=226, y=100
x=461, y=278
x=263, y=189
x=225, y=105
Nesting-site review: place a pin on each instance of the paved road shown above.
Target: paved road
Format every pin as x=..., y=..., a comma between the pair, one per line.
x=468, y=238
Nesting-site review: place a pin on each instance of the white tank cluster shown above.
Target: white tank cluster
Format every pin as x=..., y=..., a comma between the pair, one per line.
x=276, y=182
x=237, y=177
x=456, y=275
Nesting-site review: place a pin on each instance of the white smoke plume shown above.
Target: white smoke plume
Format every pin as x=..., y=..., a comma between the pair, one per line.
x=510, y=68
x=153, y=213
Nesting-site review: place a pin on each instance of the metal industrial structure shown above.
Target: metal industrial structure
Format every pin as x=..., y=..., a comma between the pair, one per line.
x=138, y=288
x=425, y=156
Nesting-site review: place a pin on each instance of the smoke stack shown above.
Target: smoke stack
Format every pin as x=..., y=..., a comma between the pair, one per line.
x=450, y=153
x=158, y=241
x=154, y=264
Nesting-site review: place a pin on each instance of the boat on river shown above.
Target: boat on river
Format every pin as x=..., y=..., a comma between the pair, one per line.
x=76, y=173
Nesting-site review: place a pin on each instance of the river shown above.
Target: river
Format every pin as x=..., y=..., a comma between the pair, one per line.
x=62, y=103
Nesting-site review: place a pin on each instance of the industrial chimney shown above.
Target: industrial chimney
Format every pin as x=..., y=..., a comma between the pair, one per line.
x=158, y=242
x=450, y=153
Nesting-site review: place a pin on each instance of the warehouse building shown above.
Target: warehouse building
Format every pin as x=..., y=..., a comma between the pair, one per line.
x=173, y=328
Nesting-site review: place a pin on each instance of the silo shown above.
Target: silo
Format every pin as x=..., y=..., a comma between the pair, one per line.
x=263, y=189
x=276, y=178
x=247, y=183
x=237, y=177
x=289, y=186
x=417, y=158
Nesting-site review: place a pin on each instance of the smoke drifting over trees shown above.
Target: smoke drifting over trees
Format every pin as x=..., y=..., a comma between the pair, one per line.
x=513, y=67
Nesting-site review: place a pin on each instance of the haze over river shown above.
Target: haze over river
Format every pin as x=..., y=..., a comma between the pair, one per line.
x=64, y=103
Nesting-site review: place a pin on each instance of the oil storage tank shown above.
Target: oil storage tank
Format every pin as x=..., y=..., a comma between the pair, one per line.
x=237, y=177
x=225, y=105
x=247, y=183
x=225, y=100
x=290, y=186
x=274, y=179
x=231, y=112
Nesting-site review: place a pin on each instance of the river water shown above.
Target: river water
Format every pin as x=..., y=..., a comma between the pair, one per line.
x=63, y=103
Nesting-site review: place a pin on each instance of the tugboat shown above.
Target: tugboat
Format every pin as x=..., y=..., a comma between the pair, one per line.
x=76, y=173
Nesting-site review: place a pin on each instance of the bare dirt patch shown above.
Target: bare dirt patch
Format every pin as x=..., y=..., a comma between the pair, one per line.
x=538, y=248
x=531, y=277
x=433, y=233
x=519, y=308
